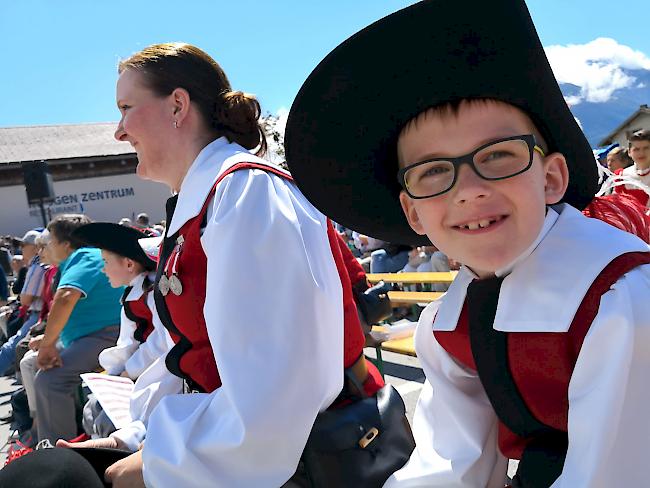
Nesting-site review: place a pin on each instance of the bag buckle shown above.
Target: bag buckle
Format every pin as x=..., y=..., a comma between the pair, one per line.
x=368, y=437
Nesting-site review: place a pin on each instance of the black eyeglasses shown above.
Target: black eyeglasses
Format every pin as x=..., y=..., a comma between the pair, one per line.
x=497, y=160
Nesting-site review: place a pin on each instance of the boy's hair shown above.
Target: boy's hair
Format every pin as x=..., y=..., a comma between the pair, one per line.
x=452, y=109
x=62, y=227
x=639, y=135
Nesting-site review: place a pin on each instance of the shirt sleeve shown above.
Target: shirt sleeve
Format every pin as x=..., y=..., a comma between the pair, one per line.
x=34, y=280
x=82, y=272
x=154, y=383
x=276, y=329
x=114, y=358
x=609, y=430
x=454, y=425
x=157, y=345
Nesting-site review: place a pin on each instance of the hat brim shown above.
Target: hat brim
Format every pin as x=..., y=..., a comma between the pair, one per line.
x=119, y=239
x=341, y=134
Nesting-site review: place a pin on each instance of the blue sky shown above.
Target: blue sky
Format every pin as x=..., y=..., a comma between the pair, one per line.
x=59, y=57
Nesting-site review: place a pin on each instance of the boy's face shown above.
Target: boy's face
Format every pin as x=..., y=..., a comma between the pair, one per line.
x=118, y=269
x=640, y=153
x=483, y=224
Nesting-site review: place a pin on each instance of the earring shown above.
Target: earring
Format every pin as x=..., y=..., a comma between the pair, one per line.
x=175, y=124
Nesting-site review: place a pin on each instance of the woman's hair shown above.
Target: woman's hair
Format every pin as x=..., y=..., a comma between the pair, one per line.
x=63, y=225
x=232, y=114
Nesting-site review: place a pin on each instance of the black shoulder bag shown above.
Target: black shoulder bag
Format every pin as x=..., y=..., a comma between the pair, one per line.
x=359, y=444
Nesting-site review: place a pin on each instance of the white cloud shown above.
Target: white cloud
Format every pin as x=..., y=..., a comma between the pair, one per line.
x=596, y=67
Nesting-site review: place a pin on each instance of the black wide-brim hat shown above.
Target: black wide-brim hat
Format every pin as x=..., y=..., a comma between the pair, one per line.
x=341, y=134
x=119, y=239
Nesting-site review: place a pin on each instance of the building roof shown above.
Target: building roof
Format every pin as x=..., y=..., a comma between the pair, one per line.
x=643, y=109
x=51, y=142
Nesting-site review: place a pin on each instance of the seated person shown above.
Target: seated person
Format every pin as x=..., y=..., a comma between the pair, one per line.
x=142, y=337
x=83, y=321
x=30, y=300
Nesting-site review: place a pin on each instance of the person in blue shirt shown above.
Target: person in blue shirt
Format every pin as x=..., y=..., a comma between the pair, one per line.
x=84, y=320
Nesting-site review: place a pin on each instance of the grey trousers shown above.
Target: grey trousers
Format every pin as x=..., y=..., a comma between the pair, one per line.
x=55, y=388
x=95, y=421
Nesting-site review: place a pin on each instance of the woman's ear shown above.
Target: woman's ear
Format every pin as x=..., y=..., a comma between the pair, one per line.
x=408, y=207
x=556, y=174
x=180, y=99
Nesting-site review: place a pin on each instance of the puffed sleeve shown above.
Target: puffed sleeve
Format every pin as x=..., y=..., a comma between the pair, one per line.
x=114, y=358
x=274, y=315
x=157, y=345
x=609, y=431
x=154, y=383
x=454, y=425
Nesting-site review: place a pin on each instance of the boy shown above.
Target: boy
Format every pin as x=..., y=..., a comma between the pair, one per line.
x=537, y=351
x=639, y=172
x=142, y=340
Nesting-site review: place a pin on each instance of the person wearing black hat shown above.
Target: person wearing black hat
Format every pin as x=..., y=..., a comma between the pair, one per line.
x=451, y=128
x=143, y=340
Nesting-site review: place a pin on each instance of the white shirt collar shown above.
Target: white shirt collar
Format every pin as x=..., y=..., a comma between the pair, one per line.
x=214, y=159
x=137, y=285
x=545, y=287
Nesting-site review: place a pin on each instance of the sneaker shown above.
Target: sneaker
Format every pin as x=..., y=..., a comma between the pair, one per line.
x=17, y=449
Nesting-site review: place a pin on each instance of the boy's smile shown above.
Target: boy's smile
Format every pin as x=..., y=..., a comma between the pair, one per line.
x=483, y=224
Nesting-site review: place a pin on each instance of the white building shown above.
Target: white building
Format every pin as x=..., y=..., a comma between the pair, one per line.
x=92, y=173
x=638, y=120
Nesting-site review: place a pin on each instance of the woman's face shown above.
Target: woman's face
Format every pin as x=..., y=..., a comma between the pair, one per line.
x=147, y=123
x=58, y=250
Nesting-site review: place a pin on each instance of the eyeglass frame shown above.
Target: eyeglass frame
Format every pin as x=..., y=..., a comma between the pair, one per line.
x=529, y=139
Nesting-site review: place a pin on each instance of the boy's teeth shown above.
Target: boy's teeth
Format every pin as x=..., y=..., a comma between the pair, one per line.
x=473, y=226
x=484, y=223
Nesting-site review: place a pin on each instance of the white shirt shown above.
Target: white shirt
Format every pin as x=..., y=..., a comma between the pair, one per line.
x=144, y=363
x=454, y=424
x=129, y=354
x=274, y=316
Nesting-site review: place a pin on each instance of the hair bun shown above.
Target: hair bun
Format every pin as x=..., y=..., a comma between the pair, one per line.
x=236, y=116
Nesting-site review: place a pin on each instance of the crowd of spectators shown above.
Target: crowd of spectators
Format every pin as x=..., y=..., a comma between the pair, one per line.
x=58, y=313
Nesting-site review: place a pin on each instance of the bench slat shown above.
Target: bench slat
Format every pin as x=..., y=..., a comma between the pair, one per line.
x=412, y=297
x=400, y=346
x=433, y=277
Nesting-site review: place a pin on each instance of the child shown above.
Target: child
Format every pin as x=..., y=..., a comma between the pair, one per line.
x=537, y=351
x=143, y=340
x=639, y=151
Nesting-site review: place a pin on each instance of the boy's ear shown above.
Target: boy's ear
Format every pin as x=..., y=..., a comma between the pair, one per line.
x=410, y=212
x=556, y=174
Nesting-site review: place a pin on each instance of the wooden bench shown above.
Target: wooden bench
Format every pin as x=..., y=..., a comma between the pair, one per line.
x=401, y=346
x=400, y=298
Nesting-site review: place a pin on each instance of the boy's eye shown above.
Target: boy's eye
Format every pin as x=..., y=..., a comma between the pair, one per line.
x=432, y=171
x=496, y=156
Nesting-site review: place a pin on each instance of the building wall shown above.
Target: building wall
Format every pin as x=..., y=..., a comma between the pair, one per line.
x=640, y=122
x=103, y=199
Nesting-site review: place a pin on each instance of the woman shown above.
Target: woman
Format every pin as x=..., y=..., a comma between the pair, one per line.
x=251, y=279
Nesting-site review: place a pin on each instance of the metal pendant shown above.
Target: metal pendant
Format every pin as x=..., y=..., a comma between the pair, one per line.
x=175, y=285
x=163, y=285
